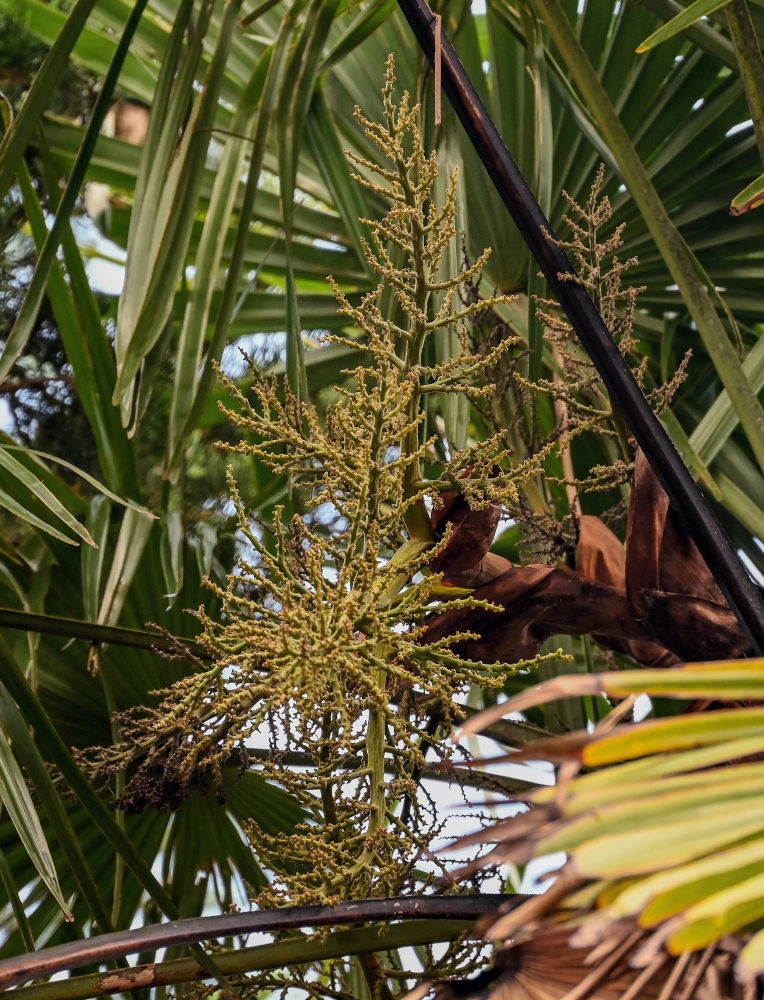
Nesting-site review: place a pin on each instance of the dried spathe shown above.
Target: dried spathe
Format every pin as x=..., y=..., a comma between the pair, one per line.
x=655, y=600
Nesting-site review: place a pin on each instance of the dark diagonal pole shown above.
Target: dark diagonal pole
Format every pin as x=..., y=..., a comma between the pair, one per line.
x=118, y=944
x=701, y=523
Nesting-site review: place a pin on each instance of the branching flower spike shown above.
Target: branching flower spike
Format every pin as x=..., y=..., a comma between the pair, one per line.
x=322, y=641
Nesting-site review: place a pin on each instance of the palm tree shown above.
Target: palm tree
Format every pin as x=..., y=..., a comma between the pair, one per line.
x=232, y=213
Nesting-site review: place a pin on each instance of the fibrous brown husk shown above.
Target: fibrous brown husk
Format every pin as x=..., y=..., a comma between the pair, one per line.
x=655, y=600
x=547, y=966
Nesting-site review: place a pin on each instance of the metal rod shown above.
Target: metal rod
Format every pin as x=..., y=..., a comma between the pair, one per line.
x=744, y=596
x=75, y=954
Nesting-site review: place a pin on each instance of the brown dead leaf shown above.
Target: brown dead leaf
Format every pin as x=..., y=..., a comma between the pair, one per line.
x=682, y=569
x=695, y=629
x=656, y=601
x=648, y=509
x=668, y=581
x=601, y=557
x=537, y=601
x=547, y=967
x=466, y=561
x=661, y=555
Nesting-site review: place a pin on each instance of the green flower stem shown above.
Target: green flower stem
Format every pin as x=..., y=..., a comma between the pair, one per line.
x=327, y=786
x=375, y=755
x=374, y=977
x=411, y=549
x=417, y=520
x=667, y=237
x=533, y=486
